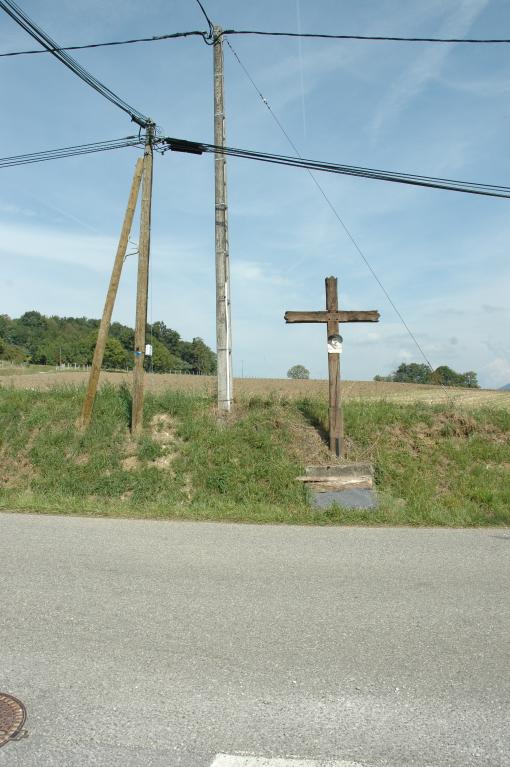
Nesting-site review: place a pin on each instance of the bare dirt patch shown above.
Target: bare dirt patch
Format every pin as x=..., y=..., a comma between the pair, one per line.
x=308, y=445
x=163, y=430
x=131, y=463
x=15, y=472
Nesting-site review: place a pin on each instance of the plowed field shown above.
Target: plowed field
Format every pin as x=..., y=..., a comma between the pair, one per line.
x=393, y=392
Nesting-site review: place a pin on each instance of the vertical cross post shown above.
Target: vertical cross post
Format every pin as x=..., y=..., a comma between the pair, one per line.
x=336, y=424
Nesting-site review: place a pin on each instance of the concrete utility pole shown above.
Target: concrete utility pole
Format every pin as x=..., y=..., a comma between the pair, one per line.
x=142, y=283
x=223, y=321
x=104, y=327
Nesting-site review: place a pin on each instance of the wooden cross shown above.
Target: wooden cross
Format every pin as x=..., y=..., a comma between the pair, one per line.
x=332, y=316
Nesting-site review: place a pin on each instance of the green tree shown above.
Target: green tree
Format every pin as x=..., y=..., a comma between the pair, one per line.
x=168, y=337
x=164, y=361
x=445, y=376
x=45, y=354
x=5, y=326
x=470, y=380
x=298, y=372
x=115, y=356
x=48, y=340
x=34, y=320
x=412, y=373
x=448, y=377
x=12, y=353
x=29, y=330
x=197, y=354
x=124, y=334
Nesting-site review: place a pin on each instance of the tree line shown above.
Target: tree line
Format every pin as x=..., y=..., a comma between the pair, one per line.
x=37, y=339
x=414, y=372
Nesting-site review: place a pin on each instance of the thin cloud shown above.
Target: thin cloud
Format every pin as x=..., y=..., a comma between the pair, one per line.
x=256, y=272
x=498, y=370
x=16, y=210
x=50, y=245
x=426, y=67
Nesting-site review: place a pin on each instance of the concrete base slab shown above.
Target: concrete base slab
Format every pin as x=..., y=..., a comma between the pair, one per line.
x=357, y=498
x=348, y=484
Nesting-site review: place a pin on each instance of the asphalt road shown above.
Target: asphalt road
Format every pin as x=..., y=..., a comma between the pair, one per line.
x=138, y=643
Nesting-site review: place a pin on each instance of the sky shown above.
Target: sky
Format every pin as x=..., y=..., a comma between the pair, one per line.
x=438, y=110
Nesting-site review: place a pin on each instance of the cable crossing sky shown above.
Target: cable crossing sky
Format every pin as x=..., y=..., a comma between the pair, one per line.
x=20, y=17
x=70, y=151
x=367, y=38
x=262, y=33
x=131, y=41
x=198, y=148
x=452, y=185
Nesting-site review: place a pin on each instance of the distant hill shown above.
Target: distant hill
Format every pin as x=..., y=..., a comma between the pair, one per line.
x=505, y=388
x=42, y=340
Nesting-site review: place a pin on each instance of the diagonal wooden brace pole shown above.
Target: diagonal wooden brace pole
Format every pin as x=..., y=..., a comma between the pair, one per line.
x=104, y=326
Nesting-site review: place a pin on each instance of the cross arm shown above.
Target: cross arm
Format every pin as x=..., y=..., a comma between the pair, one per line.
x=340, y=316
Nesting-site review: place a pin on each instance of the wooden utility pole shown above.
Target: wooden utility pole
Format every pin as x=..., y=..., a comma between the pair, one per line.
x=332, y=317
x=336, y=419
x=223, y=321
x=104, y=326
x=142, y=284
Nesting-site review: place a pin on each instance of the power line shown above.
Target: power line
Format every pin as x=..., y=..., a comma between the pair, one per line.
x=452, y=185
x=338, y=217
x=207, y=38
x=20, y=17
x=369, y=38
x=154, y=39
x=195, y=147
x=70, y=151
x=263, y=33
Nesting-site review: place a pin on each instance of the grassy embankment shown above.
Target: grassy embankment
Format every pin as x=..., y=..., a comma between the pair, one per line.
x=435, y=465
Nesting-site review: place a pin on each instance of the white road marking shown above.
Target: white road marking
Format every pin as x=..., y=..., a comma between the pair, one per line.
x=228, y=760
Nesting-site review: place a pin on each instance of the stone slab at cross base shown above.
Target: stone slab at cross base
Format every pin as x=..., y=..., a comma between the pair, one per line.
x=349, y=499
x=339, y=477
x=350, y=485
